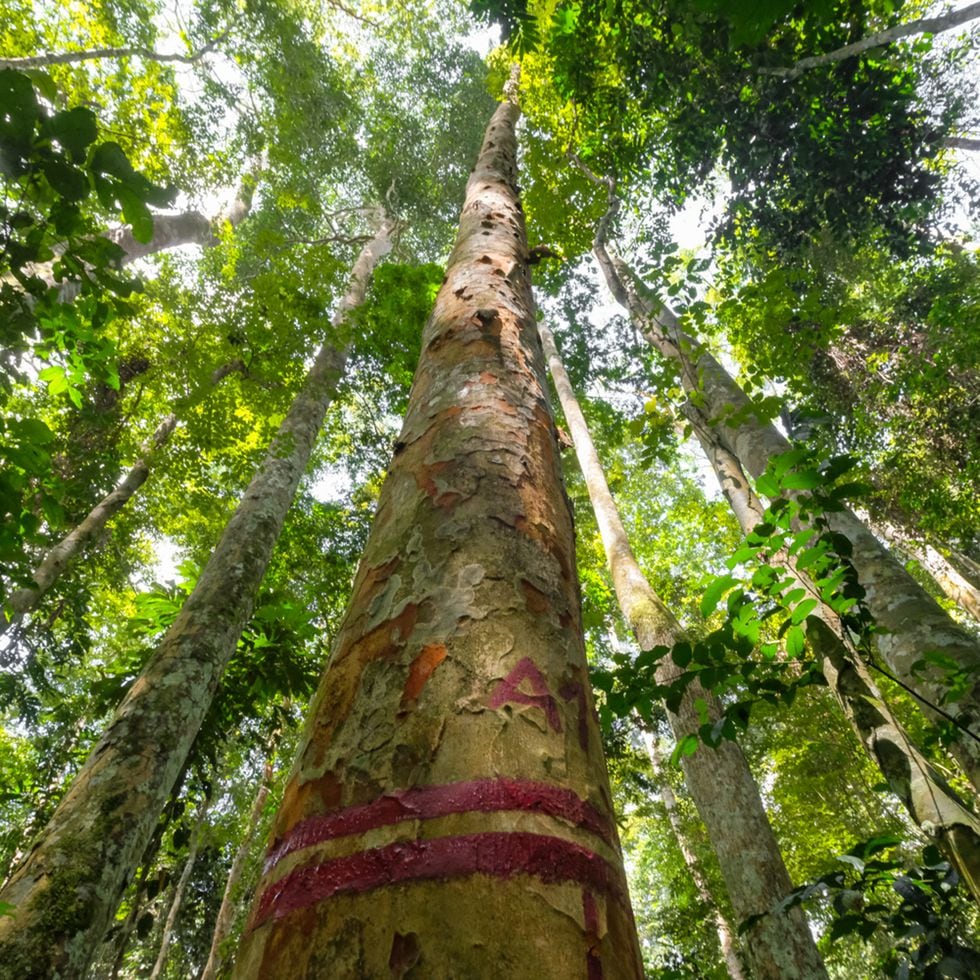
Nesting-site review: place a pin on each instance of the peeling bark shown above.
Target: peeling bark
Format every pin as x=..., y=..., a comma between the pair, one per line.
x=71, y=882
x=449, y=811
x=726, y=935
x=910, y=623
x=928, y=799
x=720, y=781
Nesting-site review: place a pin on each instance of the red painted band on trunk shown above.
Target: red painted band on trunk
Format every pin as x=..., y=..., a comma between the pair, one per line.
x=500, y=855
x=426, y=802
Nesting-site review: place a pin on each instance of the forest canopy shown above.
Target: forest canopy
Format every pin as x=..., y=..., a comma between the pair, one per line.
x=489, y=489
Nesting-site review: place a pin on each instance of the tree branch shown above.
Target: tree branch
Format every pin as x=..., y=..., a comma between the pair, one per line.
x=962, y=142
x=927, y=25
x=93, y=54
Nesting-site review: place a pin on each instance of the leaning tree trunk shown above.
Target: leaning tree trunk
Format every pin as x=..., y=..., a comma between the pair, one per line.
x=726, y=936
x=928, y=799
x=226, y=913
x=778, y=945
x=449, y=813
x=70, y=884
x=73, y=544
x=911, y=623
x=23, y=600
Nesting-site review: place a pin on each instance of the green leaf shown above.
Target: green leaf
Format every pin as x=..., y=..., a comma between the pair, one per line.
x=804, y=480
x=75, y=129
x=714, y=592
x=136, y=213
x=803, y=610
x=795, y=641
x=767, y=486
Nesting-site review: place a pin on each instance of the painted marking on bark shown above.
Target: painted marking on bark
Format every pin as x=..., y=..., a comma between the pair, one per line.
x=590, y=914
x=428, y=802
x=421, y=669
x=499, y=855
x=508, y=691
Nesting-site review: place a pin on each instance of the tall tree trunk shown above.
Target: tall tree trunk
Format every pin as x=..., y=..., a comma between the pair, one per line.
x=226, y=912
x=955, y=586
x=911, y=623
x=720, y=781
x=726, y=936
x=928, y=799
x=178, y=896
x=449, y=813
x=70, y=883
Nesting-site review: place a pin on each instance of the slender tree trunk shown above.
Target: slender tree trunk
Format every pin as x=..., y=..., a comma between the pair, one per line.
x=226, y=912
x=449, y=812
x=69, y=547
x=911, y=624
x=70, y=883
x=929, y=800
x=955, y=586
x=178, y=895
x=720, y=781
x=726, y=935
x=54, y=563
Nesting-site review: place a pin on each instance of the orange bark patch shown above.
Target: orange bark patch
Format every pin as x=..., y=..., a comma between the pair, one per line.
x=537, y=601
x=488, y=378
x=421, y=669
x=301, y=800
x=384, y=640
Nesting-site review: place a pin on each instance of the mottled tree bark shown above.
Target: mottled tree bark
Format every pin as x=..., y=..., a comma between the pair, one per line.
x=910, y=622
x=726, y=935
x=928, y=799
x=449, y=813
x=71, y=882
x=720, y=781
x=954, y=585
x=226, y=913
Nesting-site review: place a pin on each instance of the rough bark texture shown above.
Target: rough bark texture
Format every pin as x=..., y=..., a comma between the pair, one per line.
x=928, y=799
x=726, y=935
x=927, y=25
x=226, y=913
x=720, y=781
x=449, y=813
x=69, y=547
x=910, y=623
x=70, y=884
